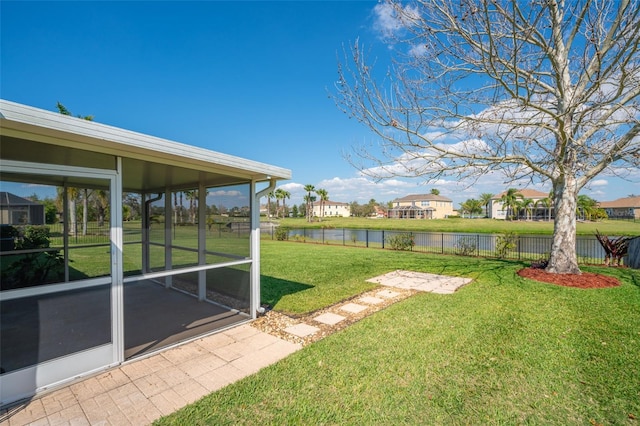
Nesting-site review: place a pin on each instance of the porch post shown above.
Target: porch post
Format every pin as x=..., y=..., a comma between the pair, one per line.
x=168, y=238
x=255, y=245
x=117, y=268
x=202, y=240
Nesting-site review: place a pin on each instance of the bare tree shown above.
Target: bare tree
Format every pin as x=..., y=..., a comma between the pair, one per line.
x=545, y=90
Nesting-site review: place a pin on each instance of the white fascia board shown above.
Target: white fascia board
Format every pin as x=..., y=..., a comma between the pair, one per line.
x=113, y=140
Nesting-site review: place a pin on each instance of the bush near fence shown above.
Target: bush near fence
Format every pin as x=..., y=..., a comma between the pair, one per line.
x=503, y=246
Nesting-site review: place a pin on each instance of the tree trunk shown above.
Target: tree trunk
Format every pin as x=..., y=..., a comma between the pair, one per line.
x=85, y=211
x=564, y=259
x=73, y=222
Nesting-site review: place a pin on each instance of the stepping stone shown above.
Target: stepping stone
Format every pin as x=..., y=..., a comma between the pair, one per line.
x=387, y=294
x=302, y=330
x=371, y=300
x=354, y=308
x=329, y=318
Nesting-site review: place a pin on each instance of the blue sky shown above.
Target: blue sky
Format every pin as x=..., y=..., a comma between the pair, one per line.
x=244, y=78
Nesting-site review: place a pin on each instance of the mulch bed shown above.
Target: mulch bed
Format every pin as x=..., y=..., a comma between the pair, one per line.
x=583, y=280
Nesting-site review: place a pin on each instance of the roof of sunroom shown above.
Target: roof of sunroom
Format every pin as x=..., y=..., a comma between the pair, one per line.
x=149, y=163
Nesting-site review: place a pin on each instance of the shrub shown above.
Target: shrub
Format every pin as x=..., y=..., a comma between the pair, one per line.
x=466, y=246
x=505, y=243
x=403, y=241
x=34, y=268
x=282, y=233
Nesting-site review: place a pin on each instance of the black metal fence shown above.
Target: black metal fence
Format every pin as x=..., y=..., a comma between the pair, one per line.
x=505, y=246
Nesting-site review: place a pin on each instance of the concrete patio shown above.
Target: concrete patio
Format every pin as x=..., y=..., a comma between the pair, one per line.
x=139, y=392
x=145, y=389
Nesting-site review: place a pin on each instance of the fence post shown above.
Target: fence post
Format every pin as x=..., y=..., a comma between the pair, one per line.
x=343, y=242
x=382, y=239
x=478, y=245
x=322, y=235
x=442, y=243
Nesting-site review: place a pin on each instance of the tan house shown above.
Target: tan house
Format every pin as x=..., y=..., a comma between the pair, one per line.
x=538, y=208
x=421, y=206
x=622, y=208
x=331, y=209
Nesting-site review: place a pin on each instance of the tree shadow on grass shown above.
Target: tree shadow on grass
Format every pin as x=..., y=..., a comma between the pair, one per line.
x=273, y=289
x=492, y=269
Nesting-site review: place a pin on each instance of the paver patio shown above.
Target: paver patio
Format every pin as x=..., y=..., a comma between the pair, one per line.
x=141, y=391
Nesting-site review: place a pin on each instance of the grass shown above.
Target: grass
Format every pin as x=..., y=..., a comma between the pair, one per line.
x=502, y=350
x=490, y=226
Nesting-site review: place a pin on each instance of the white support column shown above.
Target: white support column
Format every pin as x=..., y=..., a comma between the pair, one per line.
x=202, y=240
x=145, y=232
x=255, y=245
x=65, y=230
x=168, y=238
x=117, y=270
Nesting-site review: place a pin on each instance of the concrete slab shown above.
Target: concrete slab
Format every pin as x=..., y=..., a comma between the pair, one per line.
x=371, y=300
x=301, y=330
x=421, y=281
x=353, y=308
x=387, y=294
x=329, y=318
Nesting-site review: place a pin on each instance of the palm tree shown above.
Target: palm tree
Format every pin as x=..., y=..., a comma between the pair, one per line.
x=324, y=196
x=281, y=194
x=527, y=205
x=74, y=193
x=192, y=196
x=309, y=200
x=471, y=206
x=510, y=200
x=485, y=199
x=546, y=203
x=64, y=111
x=270, y=195
x=309, y=189
x=586, y=205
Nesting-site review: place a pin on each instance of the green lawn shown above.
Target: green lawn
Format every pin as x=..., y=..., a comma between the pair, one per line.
x=493, y=226
x=502, y=350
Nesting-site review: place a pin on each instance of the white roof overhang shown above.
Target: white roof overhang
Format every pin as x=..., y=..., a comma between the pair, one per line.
x=149, y=163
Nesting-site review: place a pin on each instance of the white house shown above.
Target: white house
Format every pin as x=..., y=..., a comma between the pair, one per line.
x=134, y=288
x=331, y=209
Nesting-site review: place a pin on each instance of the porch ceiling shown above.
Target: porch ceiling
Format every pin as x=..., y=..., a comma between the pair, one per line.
x=149, y=164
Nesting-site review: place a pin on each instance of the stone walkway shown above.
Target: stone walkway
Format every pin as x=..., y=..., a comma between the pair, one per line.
x=139, y=392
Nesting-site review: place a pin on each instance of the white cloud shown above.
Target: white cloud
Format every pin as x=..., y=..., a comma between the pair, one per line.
x=599, y=182
x=223, y=193
x=389, y=22
x=386, y=20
